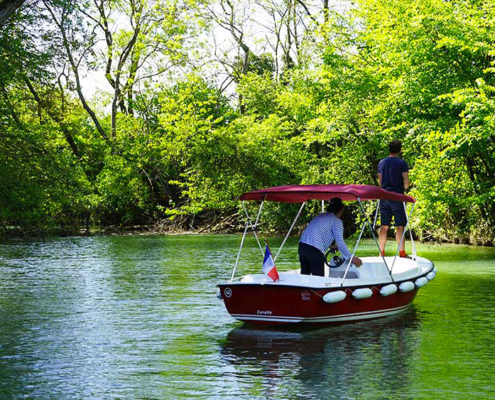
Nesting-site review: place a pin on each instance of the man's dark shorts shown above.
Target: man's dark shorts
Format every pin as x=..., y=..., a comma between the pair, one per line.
x=389, y=208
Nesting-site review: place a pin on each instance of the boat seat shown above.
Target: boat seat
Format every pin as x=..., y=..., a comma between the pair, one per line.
x=339, y=273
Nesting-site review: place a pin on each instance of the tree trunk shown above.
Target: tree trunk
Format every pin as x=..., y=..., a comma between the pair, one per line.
x=7, y=8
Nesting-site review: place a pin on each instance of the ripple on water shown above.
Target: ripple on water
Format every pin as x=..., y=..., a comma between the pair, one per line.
x=137, y=317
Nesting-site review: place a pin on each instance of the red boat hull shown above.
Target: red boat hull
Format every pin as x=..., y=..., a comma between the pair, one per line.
x=277, y=304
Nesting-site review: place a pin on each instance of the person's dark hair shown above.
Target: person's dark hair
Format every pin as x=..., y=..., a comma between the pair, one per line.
x=395, y=146
x=335, y=205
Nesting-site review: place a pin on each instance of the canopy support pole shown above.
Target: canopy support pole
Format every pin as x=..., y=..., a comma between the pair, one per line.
x=290, y=230
x=253, y=227
x=374, y=237
x=413, y=245
x=353, y=253
x=239, y=252
x=376, y=214
x=402, y=238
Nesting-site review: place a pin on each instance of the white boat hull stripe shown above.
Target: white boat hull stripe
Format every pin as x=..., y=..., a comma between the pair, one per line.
x=340, y=317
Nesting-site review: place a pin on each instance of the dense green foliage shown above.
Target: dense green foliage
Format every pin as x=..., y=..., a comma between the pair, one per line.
x=182, y=149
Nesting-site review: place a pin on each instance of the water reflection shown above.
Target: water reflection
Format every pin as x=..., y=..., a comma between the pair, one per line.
x=364, y=359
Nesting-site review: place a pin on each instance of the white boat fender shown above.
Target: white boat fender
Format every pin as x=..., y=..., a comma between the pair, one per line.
x=430, y=275
x=334, y=297
x=388, y=290
x=420, y=282
x=406, y=286
x=362, y=293
x=219, y=293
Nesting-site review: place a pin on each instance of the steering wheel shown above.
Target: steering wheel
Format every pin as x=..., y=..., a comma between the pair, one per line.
x=335, y=260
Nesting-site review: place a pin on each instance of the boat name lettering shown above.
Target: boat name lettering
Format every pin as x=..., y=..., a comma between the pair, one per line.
x=264, y=312
x=305, y=295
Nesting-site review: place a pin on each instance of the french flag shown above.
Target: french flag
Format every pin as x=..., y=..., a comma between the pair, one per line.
x=269, y=267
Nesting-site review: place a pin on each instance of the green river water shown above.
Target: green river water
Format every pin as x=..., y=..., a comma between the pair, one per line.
x=136, y=317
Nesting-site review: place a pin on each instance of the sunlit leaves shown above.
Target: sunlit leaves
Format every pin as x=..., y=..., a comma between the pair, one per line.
x=184, y=145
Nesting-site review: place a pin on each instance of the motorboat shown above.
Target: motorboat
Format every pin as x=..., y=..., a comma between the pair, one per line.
x=380, y=287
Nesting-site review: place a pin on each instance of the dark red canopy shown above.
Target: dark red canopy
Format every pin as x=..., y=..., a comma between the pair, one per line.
x=301, y=193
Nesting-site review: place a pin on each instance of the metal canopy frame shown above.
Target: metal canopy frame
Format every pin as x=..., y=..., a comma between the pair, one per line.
x=366, y=223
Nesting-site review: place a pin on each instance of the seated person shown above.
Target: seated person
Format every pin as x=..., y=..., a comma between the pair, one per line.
x=317, y=237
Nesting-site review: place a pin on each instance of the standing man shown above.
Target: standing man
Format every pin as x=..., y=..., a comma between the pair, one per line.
x=393, y=176
x=319, y=235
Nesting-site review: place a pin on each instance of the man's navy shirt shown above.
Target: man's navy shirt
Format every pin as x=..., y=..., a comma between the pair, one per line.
x=391, y=169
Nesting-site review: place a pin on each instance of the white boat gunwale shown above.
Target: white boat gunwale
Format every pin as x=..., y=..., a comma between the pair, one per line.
x=350, y=283
x=329, y=288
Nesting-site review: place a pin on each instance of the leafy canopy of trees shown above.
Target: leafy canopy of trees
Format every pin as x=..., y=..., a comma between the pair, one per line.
x=200, y=101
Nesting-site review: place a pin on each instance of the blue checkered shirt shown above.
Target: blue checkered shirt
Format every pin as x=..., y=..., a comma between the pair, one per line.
x=323, y=230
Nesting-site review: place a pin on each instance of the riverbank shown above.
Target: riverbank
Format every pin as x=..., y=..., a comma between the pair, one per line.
x=159, y=228
x=170, y=229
